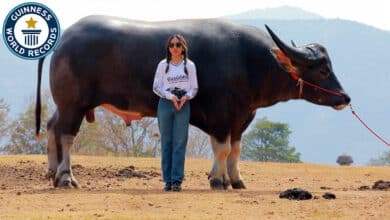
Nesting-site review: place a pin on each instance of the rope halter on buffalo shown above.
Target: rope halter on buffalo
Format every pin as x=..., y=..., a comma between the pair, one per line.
x=301, y=82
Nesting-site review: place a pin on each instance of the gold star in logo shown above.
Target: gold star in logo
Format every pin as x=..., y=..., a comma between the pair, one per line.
x=31, y=23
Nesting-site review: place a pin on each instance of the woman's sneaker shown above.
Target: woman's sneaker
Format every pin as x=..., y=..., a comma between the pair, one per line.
x=168, y=186
x=176, y=186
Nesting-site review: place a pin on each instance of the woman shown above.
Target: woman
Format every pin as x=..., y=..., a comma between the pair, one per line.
x=176, y=83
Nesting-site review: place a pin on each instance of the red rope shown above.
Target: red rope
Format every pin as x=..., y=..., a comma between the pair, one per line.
x=300, y=81
x=323, y=89
x=300, y=84
x=365, y=125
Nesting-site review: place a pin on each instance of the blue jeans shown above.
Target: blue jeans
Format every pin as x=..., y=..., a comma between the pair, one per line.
x=173, y=126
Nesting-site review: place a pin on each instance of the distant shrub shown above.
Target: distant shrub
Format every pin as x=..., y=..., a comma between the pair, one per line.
x=344, y=160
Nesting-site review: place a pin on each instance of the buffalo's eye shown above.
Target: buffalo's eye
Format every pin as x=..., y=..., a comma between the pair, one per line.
x=324, y=73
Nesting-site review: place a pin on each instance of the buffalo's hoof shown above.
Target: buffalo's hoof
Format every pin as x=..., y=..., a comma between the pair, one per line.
x=217, y=184
x=70, y=182
x=50, y=175
x=65, y=184
x=65, y=179
x=238, y=185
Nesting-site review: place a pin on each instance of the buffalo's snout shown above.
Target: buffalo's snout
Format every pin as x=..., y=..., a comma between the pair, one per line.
x=347, y=99
x=343, y=102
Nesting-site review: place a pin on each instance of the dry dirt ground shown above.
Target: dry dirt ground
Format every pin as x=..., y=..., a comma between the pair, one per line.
x=131, y=188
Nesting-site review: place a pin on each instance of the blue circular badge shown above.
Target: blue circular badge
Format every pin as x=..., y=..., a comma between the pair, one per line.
x=31, y=30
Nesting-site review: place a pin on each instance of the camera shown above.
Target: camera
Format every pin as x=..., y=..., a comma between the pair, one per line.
x=179, y=93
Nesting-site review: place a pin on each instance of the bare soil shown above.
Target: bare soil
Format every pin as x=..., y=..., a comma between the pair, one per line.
x=131, y=188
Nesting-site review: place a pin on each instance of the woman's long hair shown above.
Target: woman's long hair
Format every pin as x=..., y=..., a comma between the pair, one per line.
x=184, y=52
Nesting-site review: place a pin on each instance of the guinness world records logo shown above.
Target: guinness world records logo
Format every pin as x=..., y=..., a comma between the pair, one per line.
x=31, y=30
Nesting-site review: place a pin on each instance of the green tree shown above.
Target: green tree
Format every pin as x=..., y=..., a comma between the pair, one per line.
x=268, y=141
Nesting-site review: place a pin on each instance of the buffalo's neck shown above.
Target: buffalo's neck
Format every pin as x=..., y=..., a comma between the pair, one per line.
x=269, y=83
x=275, y=86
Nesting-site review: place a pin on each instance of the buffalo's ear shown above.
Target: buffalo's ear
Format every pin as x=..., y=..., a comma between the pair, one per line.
x=284, y=62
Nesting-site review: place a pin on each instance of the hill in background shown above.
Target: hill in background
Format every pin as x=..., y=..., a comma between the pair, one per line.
x=279, y=13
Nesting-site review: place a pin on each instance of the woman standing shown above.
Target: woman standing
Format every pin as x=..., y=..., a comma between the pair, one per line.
x=176, y=83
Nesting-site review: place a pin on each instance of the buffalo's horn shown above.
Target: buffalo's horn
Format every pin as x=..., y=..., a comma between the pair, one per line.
x=293, y=43
x=298, y=54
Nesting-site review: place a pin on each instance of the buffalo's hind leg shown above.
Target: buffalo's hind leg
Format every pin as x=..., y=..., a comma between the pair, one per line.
x=52, y=152
x=66, y=129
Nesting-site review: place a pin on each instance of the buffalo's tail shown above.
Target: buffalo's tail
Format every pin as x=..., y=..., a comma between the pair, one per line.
x=38, y=101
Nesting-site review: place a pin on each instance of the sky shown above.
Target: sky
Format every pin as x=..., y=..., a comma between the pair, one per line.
x=374, y=12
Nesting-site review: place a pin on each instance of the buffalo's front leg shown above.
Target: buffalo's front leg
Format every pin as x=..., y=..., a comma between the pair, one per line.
x=64, y=176
x=232, y=166
x=219, y=178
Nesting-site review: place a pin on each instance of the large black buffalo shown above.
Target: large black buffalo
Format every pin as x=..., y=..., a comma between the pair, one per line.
x=111, y=62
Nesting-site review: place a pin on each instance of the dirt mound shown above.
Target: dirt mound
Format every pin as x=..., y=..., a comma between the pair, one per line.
x=378, y=185
x=24, y=172
x=300, y=194
x=325, y=187
x=110, y=172
x=381, y=185
x=28, y=174
x=329, y=196
x=130, y=172
x=361, y=188
x=295, y=194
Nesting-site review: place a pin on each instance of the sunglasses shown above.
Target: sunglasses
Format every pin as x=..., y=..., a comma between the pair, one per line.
x=178, y=45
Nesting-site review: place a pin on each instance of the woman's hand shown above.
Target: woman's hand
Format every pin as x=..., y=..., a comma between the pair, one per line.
x=175, y=102
x=182, y=101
